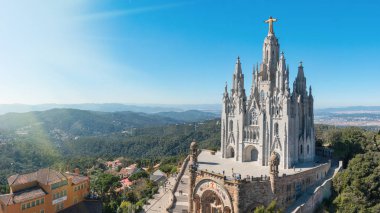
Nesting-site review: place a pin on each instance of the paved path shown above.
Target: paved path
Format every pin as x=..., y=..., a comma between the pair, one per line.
x=182, y=199
x=160, y=201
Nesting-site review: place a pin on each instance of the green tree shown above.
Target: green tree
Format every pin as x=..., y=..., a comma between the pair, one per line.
x=271, y=208
x=358, y=187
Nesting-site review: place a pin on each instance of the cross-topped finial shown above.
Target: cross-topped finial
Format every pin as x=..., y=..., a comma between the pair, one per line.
x=270, y=21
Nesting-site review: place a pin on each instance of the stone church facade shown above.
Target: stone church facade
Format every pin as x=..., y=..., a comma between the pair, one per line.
x=272, y=118
x=267, y=142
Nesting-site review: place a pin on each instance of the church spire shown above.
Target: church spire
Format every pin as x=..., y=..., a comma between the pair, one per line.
x=238, y=66
x=271, y=54
x=238, y=78
x=300, y=70
x=300, y=80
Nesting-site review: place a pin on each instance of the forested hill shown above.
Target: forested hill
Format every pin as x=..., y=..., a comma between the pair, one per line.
x=84, y=123
x=29, y=141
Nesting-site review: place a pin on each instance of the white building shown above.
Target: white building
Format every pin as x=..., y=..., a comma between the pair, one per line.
x=272, y=118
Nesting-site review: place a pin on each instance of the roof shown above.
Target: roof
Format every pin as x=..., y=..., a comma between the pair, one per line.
x=21, y=196
x=28, y=194
x=76, y=178
x=6, y=199
x=126, y=182
x=159, y=173
x=43, y=176
x=157, y=178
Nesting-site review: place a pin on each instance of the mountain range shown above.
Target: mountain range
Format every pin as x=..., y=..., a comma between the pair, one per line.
x=111, y=107
x=85, y=122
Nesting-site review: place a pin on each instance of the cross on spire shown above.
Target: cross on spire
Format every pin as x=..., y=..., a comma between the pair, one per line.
x=270, y=22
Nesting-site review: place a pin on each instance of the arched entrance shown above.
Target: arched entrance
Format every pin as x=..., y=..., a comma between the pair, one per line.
x=211, y=203
x=230, y=152
x=211, y=197
x=250, y=154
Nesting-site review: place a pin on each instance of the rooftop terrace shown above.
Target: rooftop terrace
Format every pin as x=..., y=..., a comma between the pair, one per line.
x=215, y=163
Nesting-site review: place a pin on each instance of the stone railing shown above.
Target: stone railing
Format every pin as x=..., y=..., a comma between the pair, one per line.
x=172, y=198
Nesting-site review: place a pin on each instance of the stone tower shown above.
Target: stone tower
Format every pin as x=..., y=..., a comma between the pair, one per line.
x=273, y=118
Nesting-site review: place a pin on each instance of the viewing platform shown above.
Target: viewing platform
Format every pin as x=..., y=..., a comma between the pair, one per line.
x=214, y=163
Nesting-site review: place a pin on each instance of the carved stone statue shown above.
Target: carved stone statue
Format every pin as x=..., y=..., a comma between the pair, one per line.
x=274, y=162
x=270, y=22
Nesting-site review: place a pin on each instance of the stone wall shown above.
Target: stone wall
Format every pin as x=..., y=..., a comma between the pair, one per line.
x=172, y=198
x=247, y=194
x=254, y=194
x=321, y=193
x=291, y=187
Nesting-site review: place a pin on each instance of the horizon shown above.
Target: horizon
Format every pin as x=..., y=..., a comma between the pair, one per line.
x=166, y=105
x=180, y=53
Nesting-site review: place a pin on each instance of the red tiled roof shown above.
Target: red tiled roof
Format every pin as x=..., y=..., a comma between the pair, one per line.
x=6, y=199
x=43, y=176
x=28, y=194
x=21, y=196
x=76, y=178
x=126, y=182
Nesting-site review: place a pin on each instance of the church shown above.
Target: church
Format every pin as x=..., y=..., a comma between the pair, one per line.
x=267, y=150
x=272, y=118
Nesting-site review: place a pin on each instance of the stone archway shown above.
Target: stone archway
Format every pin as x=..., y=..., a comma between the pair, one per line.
x=211, y=202
x=250, y=154
x=230, y=152
x=211, y=197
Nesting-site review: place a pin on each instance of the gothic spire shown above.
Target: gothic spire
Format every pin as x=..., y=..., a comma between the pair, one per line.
x=300, y=70
x=238, y=66
x=238, y=78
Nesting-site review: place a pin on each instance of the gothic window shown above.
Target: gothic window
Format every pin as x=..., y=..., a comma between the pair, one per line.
x=231, y=125
x=262, y=96
x=276, y=129
x=253, y=118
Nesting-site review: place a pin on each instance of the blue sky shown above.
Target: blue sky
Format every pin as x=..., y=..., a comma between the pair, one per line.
x=181, y=52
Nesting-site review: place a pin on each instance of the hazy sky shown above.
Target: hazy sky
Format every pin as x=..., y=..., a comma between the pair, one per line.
x=181, y=52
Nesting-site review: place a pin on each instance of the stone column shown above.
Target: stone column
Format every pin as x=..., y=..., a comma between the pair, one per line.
x=193, y=173
x=236, y=198
x=274, y=162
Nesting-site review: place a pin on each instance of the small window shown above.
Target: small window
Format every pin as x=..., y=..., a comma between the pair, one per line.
x=276, y=129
